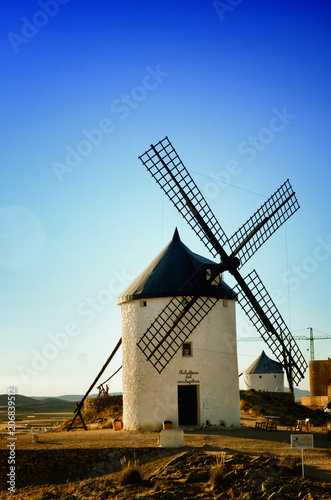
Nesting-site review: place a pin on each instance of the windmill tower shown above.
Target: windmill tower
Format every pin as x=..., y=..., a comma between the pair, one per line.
x=201, y=383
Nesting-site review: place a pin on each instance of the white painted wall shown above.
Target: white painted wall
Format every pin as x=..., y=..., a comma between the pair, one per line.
x=149, y=398
x=264, y=381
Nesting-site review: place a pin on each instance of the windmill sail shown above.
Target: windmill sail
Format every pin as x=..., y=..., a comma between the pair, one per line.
x=175, y=323
x=166, y=167
x=270, y=216
x=180, y=317
x=269, y=323
x=172, y=327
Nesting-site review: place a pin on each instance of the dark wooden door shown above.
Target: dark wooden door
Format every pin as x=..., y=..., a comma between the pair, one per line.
x=187, y=405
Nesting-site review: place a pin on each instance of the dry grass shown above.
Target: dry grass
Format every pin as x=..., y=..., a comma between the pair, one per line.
x=219, y=470
x=130, y=473
x=260, y=403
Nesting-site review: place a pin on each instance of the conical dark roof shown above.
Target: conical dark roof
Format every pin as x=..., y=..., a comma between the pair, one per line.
x=168, y=273
x=263, y=364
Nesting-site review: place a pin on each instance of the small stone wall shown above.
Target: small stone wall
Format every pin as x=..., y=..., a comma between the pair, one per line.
x=34, y=467
x=102, y=402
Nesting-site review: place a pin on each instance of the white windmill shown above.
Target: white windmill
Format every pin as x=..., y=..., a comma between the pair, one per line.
x=197, y=310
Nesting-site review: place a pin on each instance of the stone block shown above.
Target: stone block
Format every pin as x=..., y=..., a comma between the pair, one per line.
x=172, y=438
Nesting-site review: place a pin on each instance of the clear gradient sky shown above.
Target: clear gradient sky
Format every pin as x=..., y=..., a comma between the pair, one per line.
x=241, y=88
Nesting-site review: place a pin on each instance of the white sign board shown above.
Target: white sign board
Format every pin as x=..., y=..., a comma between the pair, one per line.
x=206, y=403
x=302, y=440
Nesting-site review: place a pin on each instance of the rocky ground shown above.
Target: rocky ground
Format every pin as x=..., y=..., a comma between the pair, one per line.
x=242, y=463
x=215, y=463
x=199, y=474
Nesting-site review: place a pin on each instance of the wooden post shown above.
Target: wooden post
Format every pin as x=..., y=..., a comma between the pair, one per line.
x=80, y=404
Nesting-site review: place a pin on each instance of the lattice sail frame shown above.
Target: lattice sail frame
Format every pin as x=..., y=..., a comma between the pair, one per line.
x=283, y=346
x=162, y=339
x=264, y=222
x=164, y=164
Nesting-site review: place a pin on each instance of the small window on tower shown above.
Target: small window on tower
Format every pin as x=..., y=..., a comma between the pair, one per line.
x=187, y=349
x=260, y=376
x=225, y=303
x=143, y=303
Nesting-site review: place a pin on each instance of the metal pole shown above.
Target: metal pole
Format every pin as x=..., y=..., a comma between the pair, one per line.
x=312, y=355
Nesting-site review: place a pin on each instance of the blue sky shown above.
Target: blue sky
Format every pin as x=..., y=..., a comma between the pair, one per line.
x=241, y=88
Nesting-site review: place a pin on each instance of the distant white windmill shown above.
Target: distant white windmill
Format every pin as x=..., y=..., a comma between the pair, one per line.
x=264, y=374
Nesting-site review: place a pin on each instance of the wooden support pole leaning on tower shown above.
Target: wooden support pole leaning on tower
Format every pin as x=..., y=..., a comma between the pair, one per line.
x=77, y=410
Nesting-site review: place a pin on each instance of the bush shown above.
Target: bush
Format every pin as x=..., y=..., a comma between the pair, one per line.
x=130, y=475
x=218, y=472
x=217, y=475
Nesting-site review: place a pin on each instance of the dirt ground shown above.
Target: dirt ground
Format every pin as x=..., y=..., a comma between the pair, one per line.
x=244, y=440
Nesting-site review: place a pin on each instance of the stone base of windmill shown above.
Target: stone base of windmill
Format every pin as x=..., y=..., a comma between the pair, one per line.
x=171, y=438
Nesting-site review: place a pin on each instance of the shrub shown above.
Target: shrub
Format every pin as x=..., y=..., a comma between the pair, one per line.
x=130, y=473
x=218, y=472
x=217, y=475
